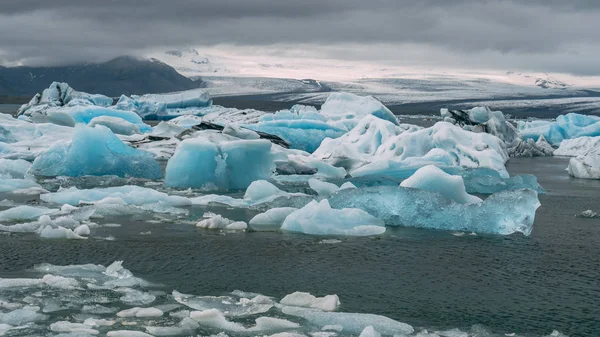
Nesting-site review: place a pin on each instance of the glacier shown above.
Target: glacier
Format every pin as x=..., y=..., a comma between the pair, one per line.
x=95, y=151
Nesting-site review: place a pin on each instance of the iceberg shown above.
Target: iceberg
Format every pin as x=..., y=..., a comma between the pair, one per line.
x=164, y=106
x=116, y=125
x=504, y=213
x=585, y=167
x=60, y=94
x=95, y=151
x=483, y=119
x=581, y=146
x=530, y=148
x=259, y=192
x=25, y=213
x=270, y=220
x=431, y=178
x=301, y=127
x=15, y=169
x=376, y=147
x=217, y=221
x=307, y=300
x=318, y=218
x=350, y=322
x=219, y=160
x=347, y=109
x=567, y=126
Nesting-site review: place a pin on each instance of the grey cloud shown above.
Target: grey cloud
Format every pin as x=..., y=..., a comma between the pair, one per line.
x=63, y=31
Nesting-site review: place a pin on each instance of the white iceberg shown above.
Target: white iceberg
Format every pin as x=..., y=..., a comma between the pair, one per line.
x=483, y=119
x=581, y=146
x=318, y=218
x=431, y=178
x=60, y=94
x=585, y=167
x=270, y=220
x=116, y=125
x=307, y=300
x=347, y=109
x=217, y=221
x=95, y=151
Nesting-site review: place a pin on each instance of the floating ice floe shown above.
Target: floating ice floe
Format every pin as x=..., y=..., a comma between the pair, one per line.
x=581, y=146
x=307, y=300
x=217, y=221
x=431, y=178
x=131, y=195
x=502, y=213
x=318, y=218
x=567, y=126
x=259, y=192
x=222, y=161
x=24, y=212
x=585, y=167
x=270, y=220
x=324, y=188
x=95, y=151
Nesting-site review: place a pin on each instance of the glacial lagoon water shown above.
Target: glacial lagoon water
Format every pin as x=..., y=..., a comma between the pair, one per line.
x=429, y=279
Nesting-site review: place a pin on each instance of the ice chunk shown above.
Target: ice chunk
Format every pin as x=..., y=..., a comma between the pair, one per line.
x=380, y=149
x=116, y=125
x=322, y=187
x=239, y=132
x=271, y=220
x=187, y=326
x=482, y=119
x=25, y=213
x=95, y=151
x=60, y=232
x=15, y=169
x=567, y=126
x=164, y=106
x=140, y=312
x=503, y=213
x=215, y=319
x=530, y=148
x=302, y=128
x=369, y=332
x=127, y=333
x=580, y=146
x=64, y=326
x=59, y=94
x=230, y=164
x=227, y=305
x=585, y=167
x=128, y=194
x=346, y=107
x=431, y=178
x=307, y=300
x=217, y=221
x=351, y=322
x=17, y=185
x=21, y=316
x=318, y=218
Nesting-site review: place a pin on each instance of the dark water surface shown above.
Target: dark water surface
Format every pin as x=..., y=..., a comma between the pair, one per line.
x=432, y=279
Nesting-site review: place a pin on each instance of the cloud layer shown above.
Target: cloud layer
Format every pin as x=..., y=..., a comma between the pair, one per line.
x=536, y=35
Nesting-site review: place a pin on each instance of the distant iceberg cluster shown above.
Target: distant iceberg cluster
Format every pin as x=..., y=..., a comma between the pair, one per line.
x=348, y=168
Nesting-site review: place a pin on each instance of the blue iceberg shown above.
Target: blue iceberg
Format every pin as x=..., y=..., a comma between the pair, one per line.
x=567, y=126
x=95, y=151
x=164, y=106
x=502, y=213
x=220, y=161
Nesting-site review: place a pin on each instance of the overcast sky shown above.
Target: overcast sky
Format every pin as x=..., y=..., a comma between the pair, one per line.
x=524, y=35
